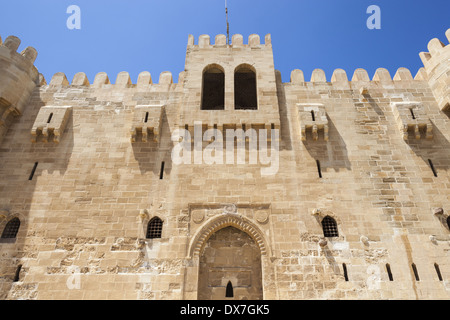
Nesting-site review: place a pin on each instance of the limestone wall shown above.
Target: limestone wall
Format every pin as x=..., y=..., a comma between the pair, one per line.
x=84, y=213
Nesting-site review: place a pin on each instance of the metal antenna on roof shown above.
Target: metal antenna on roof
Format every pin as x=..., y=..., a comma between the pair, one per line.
x=228, y=26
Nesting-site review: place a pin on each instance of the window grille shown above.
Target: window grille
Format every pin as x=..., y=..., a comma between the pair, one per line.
x=11, y=229
x=154, y=228
x=329, y=226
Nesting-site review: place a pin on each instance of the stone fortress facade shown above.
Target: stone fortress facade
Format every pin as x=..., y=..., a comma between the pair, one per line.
x=93, y=205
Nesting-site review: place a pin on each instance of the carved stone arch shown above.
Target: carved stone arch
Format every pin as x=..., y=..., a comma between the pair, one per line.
x=213, y=66
x=6, y=216
x=201, y=237
x=244, y=66
x=321, y=214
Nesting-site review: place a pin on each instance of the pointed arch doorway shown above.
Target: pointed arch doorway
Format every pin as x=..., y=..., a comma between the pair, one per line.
x=230, y=267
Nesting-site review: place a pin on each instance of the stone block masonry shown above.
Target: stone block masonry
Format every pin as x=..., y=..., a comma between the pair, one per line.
x=105, y=213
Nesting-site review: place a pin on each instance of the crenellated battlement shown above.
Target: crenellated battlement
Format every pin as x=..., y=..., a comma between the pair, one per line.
x=360, y=75
x=123, y=80
x=12, y=43
x=437, y=52
x=18, y=78
x=16, y=69
x=220, y=41
x=437, y=66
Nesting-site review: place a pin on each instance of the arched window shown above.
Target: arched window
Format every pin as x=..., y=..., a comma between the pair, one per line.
x=245, y=97
x=11, y=229
x=329, y=227
x=154, y=228
x=213, y=88
x=229, y=291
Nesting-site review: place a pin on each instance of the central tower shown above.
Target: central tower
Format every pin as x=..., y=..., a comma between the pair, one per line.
x=230, y=85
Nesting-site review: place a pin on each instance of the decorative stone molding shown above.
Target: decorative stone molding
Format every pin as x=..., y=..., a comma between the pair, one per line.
x=201, y=237
x=261, y=216
x=438, y=211
x=230, y=209
x=323, y=242
x=364, y=240
x=143, y=214
x=198, y=216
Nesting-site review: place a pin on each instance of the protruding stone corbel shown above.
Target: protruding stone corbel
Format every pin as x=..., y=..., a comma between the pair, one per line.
x=313, y=118
x=50, y=123
x=147, y=119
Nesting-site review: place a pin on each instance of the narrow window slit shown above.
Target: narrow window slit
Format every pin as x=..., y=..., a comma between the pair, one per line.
x=438, y=271
x=17, y=275
x=412, y=113
x=146, y=117
x=229, y=291
x=344, y=267
x=50, y=117
x=161, y=173
x=33, y=171
x=313, y=116
x=319, y=170
x=388, y=269
x=416, y=274
x=432, y=167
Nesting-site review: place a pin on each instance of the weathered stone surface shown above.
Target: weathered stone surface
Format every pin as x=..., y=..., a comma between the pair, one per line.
x=86, y=209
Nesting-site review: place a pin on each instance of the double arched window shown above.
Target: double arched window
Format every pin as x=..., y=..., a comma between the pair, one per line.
x=213, y=88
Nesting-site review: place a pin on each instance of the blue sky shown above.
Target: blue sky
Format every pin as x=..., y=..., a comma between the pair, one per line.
x=150, y=35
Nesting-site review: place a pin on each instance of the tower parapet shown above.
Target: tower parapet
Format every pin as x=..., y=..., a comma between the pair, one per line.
x=19, y=78
x=437, y=66
x=230, y=85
